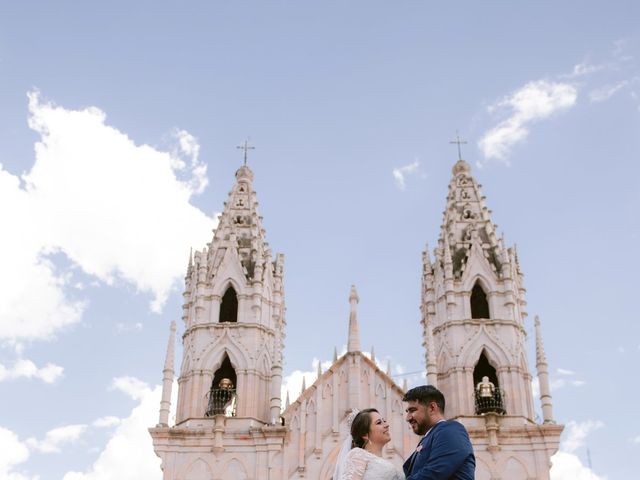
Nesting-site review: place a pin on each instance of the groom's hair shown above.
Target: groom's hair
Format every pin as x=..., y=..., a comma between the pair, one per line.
x=425, y=394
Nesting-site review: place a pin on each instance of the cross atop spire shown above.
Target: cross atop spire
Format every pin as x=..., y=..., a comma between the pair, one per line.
x=246, y=147
x=458, y=141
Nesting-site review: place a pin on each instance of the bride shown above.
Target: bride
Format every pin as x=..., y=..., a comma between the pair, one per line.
x=361, y=454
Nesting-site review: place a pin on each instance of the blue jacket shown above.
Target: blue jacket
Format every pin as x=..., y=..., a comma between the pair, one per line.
x=446, y=453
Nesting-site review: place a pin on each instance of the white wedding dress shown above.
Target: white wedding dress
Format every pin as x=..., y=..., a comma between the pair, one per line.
x=362, y=464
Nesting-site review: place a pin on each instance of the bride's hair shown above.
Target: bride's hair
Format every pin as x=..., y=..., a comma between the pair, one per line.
x=360, y=427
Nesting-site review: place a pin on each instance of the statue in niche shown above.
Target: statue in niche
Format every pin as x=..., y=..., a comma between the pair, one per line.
x=223, y=399
x=485, y=388
x=468, y=215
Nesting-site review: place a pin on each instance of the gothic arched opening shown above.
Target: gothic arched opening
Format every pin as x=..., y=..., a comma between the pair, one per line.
x=484, y=369
x=488, y=396
x=222, y=394
x=479, y=304
x=229, y=306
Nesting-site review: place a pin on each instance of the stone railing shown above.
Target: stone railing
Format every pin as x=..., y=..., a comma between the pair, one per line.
x=222, y=401
x=490, y=404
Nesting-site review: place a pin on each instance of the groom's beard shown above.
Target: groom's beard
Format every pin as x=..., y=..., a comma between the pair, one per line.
x=419, y=428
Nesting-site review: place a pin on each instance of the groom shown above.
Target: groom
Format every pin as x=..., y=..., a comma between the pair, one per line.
x=444, y=451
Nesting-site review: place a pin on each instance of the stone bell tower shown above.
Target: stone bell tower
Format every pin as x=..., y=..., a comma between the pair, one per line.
x=229, y=382
x=473, y=312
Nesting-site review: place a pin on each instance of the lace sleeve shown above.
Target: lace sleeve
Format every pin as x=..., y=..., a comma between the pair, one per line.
x=355, y=465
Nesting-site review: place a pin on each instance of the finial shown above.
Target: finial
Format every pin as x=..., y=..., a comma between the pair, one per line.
x=389, y=367
x=373, y=355
x=426, y=258
x=447, y=252
x=190, y=259
x=245, y=147
x=286, y=402
x=405, y=385
x=304, y=385
x=167, y=378
x=540, y=354
x=335, y=354
x=353, y=295
x=319, y=369
x=353, y=343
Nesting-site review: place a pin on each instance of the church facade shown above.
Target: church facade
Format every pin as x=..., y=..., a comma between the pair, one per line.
x=231, y=422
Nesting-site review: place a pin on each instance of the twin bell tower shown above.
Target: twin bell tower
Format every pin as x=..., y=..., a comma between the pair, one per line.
x=231, y=422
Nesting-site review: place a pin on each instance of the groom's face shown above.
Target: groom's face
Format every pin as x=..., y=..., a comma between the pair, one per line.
x=417, y=415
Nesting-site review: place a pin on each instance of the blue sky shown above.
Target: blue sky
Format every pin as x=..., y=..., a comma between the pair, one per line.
x=118, y=131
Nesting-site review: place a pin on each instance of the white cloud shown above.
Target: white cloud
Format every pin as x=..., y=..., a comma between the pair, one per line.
x=533, y=102
x=400, y=174
x=129, y=455
x=131, y=386
x=576, y=433
x=27, y=369
x=26, y=274
x=606, y=92
x=189, y=147
x=567, y=466
x=106, y=422
x=128, y=327
x=53, y=439
x=557, y=383
x=535, y=387
x=14, y=452
x=292, y=383
x=585, y=68
x=117, y=210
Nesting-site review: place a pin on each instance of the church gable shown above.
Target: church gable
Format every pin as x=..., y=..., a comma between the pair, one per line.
x=317, y=419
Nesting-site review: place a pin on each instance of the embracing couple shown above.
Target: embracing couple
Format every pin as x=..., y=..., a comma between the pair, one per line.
x=444, y=451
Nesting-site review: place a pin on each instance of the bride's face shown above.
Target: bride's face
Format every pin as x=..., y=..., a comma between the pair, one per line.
x=379, y=430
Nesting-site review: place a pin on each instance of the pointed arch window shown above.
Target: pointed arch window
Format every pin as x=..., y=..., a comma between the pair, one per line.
x=229, y=306
x=222, y=394
x=479, y=304
x=488, y=396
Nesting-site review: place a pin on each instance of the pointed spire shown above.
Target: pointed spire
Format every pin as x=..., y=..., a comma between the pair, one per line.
x=543, y=376
x=353, y=343
x=304, y=385
x=335, y=354
x=319, y=369
x=405, y=385
x=240, y=228
x=167, y=378
x=467, y=220
x=286, y=402
x=388, y=367
x=373, y=355
x=432, y=374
